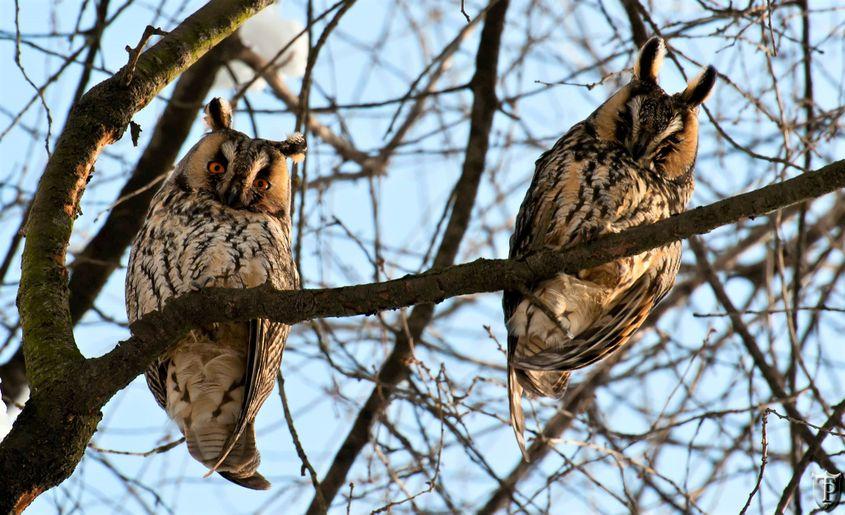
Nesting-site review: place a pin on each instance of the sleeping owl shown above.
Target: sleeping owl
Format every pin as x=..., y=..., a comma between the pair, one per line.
x=629, y=163
x=221, y=219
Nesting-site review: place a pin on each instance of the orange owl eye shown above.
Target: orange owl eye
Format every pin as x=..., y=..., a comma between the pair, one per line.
x=261, y=184
x=216, y=167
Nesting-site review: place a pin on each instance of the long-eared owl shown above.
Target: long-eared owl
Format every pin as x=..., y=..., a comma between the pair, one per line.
x=221, y=219
x=629, y=163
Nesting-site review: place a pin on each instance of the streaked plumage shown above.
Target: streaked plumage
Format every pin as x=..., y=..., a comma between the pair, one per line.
x=221, y=219
x=629, y=163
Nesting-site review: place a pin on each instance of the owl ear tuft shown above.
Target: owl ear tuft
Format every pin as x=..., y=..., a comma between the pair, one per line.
x=293, y=147
x=218, y=114
x=700, y=87
x=650, y=59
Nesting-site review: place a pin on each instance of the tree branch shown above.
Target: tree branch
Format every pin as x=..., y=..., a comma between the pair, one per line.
x=157, y=330
x=770, y=374
x=100, y=378
x=35, y=456
x=638, y=31
x=395, y=368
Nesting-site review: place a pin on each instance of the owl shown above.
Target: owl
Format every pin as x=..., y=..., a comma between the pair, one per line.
x=629, y=163
x=221, y=219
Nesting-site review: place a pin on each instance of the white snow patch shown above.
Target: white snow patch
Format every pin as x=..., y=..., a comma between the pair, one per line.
x=267, y=33
x=8, y=414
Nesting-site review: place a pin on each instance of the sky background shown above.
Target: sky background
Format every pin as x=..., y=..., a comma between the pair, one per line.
x=411, y=199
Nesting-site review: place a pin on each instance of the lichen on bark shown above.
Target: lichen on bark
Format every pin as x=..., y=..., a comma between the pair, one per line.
x=49, y=437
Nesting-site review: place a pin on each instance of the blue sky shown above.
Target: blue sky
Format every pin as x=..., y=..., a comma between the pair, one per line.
x=411, y=198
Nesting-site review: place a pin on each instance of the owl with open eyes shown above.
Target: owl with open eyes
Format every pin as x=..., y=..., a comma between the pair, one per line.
x=629, y=163
x=221, y=219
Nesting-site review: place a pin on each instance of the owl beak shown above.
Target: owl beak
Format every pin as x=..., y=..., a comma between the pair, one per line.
x=638, y=148
x=234, y=197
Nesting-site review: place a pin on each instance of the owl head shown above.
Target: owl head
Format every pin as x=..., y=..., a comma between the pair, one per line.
x=238, y=171
x=660, y=131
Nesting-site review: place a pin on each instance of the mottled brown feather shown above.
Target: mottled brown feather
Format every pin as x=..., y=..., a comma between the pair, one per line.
x=629, y=163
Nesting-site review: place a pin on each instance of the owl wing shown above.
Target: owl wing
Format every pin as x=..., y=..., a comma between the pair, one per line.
x=264, y=357
x=572, y=200
x=528, y=234
x=530, y=231
x=553, y=182
x=608, y=333
x=156, y=375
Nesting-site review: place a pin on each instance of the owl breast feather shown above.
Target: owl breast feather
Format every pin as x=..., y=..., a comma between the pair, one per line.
x=190, y=243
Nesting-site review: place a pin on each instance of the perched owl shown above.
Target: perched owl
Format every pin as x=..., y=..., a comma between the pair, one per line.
x=629, y=163
x=222, y=218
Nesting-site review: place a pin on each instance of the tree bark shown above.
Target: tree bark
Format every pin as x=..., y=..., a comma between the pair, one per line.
x=395, y=368
x=101, y=256
x=50, y=435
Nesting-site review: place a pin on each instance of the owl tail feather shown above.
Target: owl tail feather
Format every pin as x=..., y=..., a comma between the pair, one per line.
x=241, y=463
x=517, y=415
x=544, y=383
x=254, y=482
x=539, y=383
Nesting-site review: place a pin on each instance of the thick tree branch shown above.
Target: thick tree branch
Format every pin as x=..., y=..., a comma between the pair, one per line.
x=101, y=256
x=157, y=330
x=101, y=378
x=29, y=462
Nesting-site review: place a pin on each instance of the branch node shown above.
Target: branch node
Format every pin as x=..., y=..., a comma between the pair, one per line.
x=135, y=132
x=135, y=53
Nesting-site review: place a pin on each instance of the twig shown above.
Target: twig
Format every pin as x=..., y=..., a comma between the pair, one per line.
x=157, y=450
x=300, y=451
x=805, y=423
x=834, y=420
x=763, y=460
x=464, y=11
x=135, y=53
x=772, y=377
